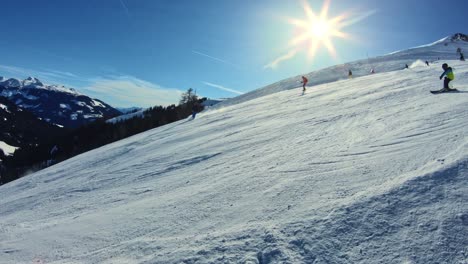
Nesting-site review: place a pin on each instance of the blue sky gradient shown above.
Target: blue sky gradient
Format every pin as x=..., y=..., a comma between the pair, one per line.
x=145, y=52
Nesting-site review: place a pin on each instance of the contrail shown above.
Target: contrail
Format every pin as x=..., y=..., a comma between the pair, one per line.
x=359, y=18
x=222, y=88
x=274, y=64
x=214, y=58
x=125, y=7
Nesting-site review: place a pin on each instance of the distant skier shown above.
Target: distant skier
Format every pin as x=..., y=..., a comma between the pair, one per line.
x=53, y=152
x=350, y=74
x=406, y=66
x=427, y=63
x=372, y=71
x=194, y=111
x=462, y=58
x=304, y=83
x=53, y=155
x=449, y=76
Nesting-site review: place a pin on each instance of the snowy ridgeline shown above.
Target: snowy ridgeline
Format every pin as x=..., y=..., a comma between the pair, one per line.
x=124, y=117
x=368, y=170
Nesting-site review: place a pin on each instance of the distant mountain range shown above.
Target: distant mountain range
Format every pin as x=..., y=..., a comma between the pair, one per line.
x=57, y=105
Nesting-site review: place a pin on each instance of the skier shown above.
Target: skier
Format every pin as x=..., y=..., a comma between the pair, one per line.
x=462, y=58
x=406, y=66
x=53, y=155
x=53, y=151
x=372, y=71
x=350, y=74
x=449, y=76
x=427, y=63
x=194, y=111
x=304, y=83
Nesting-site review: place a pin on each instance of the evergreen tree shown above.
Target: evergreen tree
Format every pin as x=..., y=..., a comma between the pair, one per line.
x=188, y=97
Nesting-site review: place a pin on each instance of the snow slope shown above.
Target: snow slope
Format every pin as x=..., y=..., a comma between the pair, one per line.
x=368, y=170
x=444, y=49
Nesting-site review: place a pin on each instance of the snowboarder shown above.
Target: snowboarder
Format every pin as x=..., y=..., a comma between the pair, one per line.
x=449, y=76
x=304, y=83
x=350, y=74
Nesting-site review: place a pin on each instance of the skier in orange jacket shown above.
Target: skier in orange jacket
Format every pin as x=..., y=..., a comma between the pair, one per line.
x=304, y=82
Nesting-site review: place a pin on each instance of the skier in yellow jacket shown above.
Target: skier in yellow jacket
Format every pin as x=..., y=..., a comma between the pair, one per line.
x=449, y=76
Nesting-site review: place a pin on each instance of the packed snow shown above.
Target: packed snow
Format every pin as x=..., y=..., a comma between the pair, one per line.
x=7, y=149
x=372, y=169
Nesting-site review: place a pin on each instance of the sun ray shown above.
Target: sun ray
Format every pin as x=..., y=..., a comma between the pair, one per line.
x=297, y=22
x=313, y=49
x=325, y=7
x=308, y=10
x=329, y=45
x=339, y=34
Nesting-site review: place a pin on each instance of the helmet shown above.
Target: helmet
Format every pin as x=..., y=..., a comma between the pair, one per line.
x=444, y=66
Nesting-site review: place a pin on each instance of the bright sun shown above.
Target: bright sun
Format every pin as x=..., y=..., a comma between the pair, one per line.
x=317, y=30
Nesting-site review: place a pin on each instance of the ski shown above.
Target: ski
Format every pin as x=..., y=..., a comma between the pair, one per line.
x=444, y=91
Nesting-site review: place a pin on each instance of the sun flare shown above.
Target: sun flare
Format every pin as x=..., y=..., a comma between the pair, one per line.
x=317, y=30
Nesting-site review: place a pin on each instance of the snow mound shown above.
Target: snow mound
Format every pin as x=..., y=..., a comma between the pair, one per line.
x=418, y=63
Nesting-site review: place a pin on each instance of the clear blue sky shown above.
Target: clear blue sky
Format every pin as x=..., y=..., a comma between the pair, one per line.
x=144, y=52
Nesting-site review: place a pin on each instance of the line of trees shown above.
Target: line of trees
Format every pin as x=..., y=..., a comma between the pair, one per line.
x=95, y=135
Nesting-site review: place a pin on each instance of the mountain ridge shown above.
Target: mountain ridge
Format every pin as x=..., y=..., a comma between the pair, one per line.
x=55, y=104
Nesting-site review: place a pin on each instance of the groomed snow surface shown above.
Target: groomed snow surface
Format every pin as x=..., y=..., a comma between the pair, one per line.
x=368, y=170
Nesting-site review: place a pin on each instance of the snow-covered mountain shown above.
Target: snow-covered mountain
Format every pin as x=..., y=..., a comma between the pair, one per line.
x=372, y=169
x=55, y=104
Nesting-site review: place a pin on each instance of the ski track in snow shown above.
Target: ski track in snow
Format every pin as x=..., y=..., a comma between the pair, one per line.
x=368, y=170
